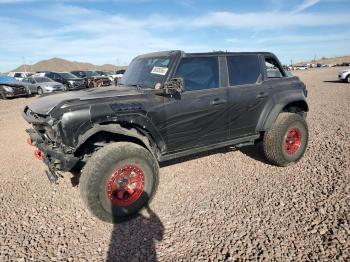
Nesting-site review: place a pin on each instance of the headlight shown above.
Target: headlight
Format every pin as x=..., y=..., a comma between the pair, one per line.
x=70, y=82
x=8, y=89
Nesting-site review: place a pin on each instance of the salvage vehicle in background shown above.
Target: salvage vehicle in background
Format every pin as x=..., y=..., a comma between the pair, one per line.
x=92, y=78
x=344, y=75
x=167, y=105
x=119, y=75
x=110, y=74
x=70, y=81
x=18, y=75
x=41, y=84
x=10, y=87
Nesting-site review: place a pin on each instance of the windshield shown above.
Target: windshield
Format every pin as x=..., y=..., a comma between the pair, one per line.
x=67, y=75
x=91, y=73
x=146, y=72
x=42, y=79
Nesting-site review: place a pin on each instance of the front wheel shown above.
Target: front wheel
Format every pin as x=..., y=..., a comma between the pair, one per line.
x=347, y=79
x=286, y=141
x=118, y=181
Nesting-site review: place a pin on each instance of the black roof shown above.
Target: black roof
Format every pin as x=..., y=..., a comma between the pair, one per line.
x=173, y=52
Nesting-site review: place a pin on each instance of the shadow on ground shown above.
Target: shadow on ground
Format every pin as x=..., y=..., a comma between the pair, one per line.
x=334, y=81
x=134, y=240
x=255, y=152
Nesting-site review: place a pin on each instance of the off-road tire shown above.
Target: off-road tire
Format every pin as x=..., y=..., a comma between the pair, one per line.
x=98, y=171
x=2, y=96
x=275, y=139
x=40, y=91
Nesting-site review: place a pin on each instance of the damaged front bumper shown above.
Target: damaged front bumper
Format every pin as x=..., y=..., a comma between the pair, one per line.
x=52, y=156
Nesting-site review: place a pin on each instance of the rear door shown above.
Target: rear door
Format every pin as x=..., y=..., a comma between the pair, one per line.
x=248, y=93
x=198, y=116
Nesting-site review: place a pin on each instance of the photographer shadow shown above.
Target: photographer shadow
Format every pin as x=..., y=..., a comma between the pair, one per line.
x=134, y=239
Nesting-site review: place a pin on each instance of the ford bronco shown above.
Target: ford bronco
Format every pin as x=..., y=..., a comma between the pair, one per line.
x=167, y=105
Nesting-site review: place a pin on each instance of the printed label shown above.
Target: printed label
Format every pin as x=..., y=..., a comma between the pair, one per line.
x=159, y=70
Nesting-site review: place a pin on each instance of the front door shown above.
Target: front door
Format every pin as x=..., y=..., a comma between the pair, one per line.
x=198, y=116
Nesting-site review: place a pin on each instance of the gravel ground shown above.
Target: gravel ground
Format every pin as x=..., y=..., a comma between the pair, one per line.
x=225, y=205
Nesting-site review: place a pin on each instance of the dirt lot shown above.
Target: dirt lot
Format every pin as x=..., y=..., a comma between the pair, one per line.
x=222, y=206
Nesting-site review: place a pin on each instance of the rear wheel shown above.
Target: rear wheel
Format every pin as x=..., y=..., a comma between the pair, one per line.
x=118, y=181
x=40, y=91
x=286, y=141
x=2, y=96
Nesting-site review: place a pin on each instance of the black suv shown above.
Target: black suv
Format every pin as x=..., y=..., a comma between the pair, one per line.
x=70, y=81
x=168, y=105
x=92, y=78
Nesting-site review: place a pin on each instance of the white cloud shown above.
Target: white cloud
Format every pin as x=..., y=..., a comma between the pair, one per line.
x=306, y=4
x=268, y=20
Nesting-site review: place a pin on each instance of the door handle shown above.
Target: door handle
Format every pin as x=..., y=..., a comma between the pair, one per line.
x=218, y=101
x=262, y=95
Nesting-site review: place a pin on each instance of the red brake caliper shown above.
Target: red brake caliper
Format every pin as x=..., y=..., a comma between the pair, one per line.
x=126, y=185
x=292, y=141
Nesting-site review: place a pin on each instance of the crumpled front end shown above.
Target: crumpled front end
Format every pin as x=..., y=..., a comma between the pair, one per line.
x=45, y=138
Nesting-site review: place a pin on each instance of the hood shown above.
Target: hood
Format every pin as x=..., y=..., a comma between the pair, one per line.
x=44, y=105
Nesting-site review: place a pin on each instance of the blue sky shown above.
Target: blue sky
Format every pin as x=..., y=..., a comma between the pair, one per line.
x=101, y=31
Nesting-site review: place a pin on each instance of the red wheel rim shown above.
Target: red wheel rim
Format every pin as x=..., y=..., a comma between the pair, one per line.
x=126, y=185
x=292, y=141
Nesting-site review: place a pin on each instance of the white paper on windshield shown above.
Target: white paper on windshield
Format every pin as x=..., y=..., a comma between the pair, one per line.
x=159, y=70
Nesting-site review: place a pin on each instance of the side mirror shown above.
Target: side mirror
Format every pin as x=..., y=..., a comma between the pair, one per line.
x=174, y=86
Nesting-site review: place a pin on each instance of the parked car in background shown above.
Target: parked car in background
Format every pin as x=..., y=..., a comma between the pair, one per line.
x=18, y=75
x=41, y=84
x=344, y=75
x=70, y=81
x=110, y=74
x=92, y=78
x=11, y=87
x=119, y=74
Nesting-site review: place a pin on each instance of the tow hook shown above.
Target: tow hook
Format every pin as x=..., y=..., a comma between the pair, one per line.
x=39, y=154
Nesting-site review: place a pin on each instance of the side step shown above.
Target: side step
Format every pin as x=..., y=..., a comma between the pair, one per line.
x=239, y=142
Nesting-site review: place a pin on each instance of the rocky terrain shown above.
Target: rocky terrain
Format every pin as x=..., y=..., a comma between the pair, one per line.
x=226, y=205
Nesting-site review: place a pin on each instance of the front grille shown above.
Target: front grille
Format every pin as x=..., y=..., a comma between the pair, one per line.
x=19, y=90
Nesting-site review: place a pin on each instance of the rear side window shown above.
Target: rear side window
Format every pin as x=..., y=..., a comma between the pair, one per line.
x=243, y=69
x=272, y=68
x=199, y=72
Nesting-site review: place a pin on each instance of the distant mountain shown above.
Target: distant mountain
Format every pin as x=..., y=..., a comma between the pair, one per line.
x=59, y=64
x=328, y=60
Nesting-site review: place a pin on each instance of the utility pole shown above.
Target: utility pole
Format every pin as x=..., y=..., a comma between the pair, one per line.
x=24, y=64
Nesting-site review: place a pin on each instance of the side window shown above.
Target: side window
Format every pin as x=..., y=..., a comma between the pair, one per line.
x=199, y=72
x=272, y=68
x=56, y=76
x=243, y=69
